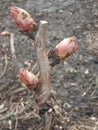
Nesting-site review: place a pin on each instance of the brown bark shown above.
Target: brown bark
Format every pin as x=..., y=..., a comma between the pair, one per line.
x=43, y=91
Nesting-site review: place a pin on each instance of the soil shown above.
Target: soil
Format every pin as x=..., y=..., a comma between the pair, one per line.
x=75, y=80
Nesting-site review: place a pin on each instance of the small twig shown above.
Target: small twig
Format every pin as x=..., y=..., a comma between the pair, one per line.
x=48, y=120
x=5, y=68
x=12, y=43
x=16, y=123
x=14, y=113
x=14, y=58
x=3, y=110
x=96, y=125
x=18, y=90
x=29, y=115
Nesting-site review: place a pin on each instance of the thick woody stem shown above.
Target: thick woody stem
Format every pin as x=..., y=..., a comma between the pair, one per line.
x=43, y=64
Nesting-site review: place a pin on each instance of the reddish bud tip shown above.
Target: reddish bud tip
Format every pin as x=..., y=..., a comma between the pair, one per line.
x=28, y=78
x=66, y=47
x=2, y=51
x=22, y=18
x=5, y=33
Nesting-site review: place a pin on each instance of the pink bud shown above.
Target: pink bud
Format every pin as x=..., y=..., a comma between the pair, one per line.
x=2, y=51
x=66, y=47
x=28, y=78
x=22, y=18
x=5, y=33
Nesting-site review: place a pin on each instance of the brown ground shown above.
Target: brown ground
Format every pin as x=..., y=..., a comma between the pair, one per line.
x=75, y=80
